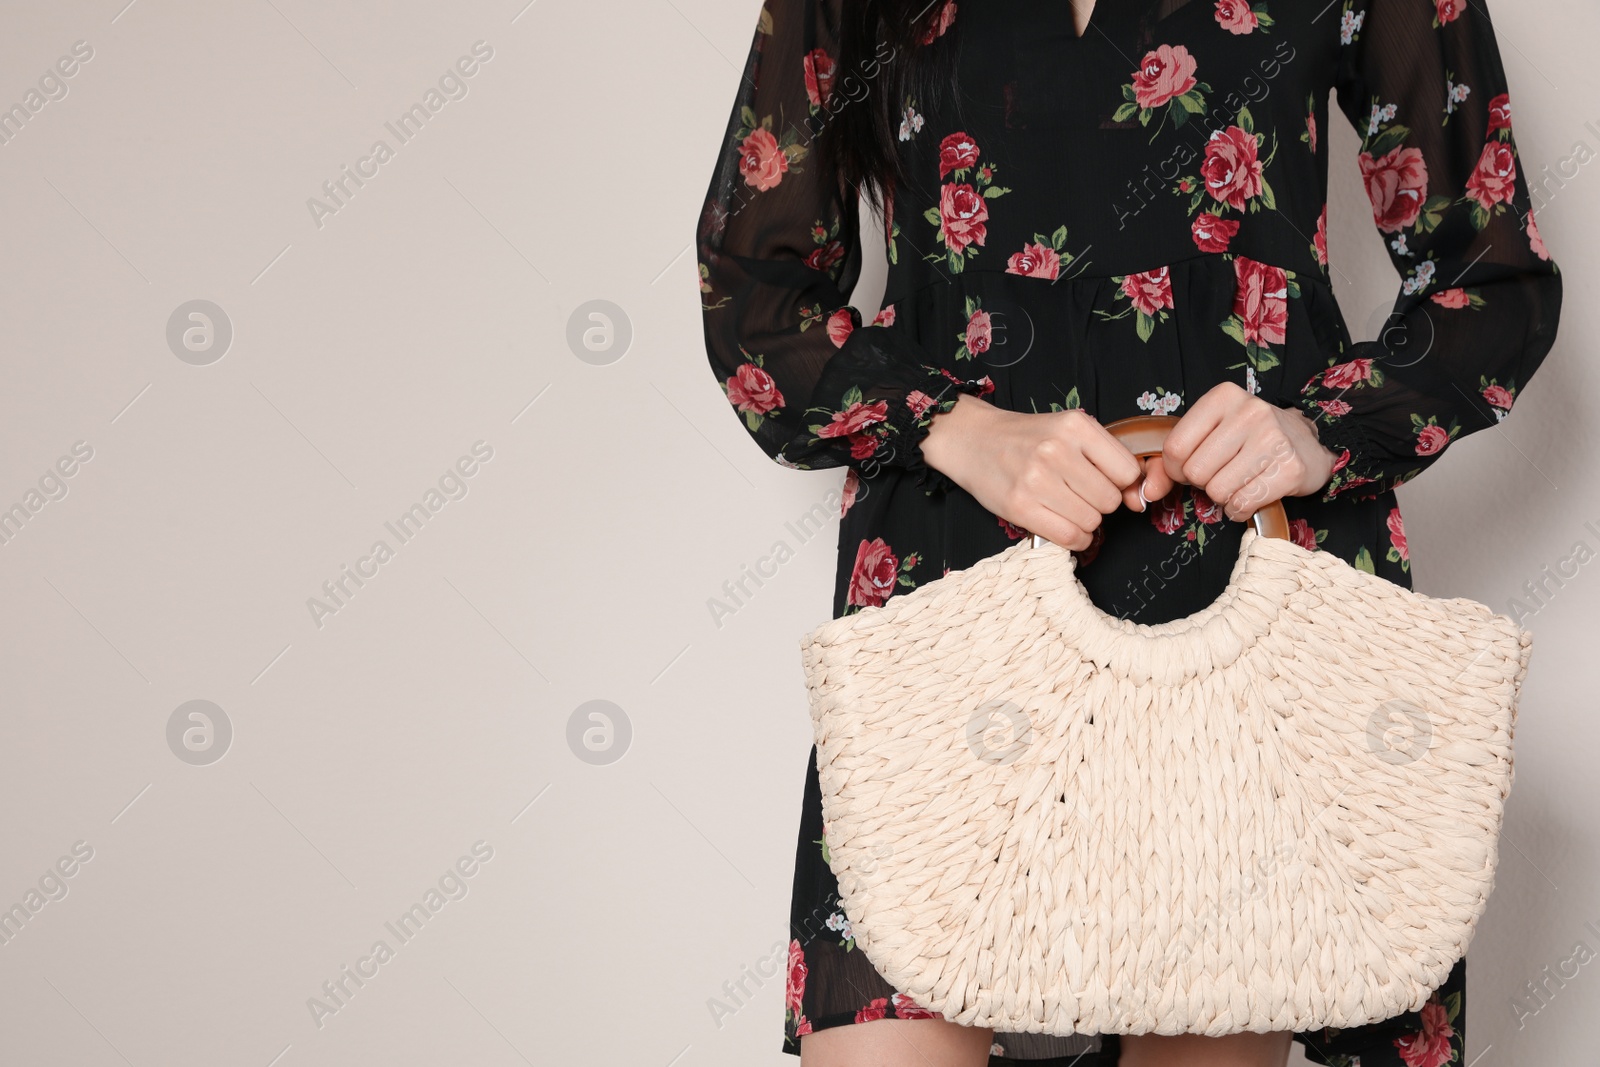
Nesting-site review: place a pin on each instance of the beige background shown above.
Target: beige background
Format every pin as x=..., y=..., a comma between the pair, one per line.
x=431, y=711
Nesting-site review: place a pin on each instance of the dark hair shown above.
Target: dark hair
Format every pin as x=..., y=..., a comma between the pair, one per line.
x=892, y=39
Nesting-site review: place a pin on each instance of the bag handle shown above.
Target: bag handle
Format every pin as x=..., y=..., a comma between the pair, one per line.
x=1143, y=435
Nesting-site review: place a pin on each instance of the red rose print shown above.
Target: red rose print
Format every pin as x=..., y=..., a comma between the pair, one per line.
x=1344, y=375
x=906, y=1008
x=795, y=986
x=1498, y=396
x=1164, y=73
x=1500, y=113
x=918, y=402
x=1311, y=130
x=1431, y=439
x=1206, y=510
x=1430, y=1046
x=885, y=317
x=804, y=1028
x=1320, y=240
x=985, y=384
x=840, y=327
x=1012, y=531
x=1536, y=242
x=761, y=161
x=1261, y=300
x=1035, y=261
x=852, y=487
x=819, y=76
x=876, y=1010
x=956, y=152
x=1213, y=232
x=1333, y=408
x=1449, y=10
x=1495, y=178
x=1167, y=514
x=962, y=214
x=1235, y=16
x=855, y=418
x=852, y=421
x=980, y=333
x=1396, y=183
x=1397, y=532
x=1150, y=290
x=1451, y=298
x=826, y=256
x=872, y=580
x=1301, y=533
x=1232, y=167
x=752, y=389
x=946, y=19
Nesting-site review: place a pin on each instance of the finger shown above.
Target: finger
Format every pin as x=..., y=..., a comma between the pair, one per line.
x=1065, y=502
x=1120, y=466
x=1058, y=531
x=1158, y=482
x=1255, y=494
x=1075, y=473
x=1267, y=459
x=1194, y=451
x=1136, y=496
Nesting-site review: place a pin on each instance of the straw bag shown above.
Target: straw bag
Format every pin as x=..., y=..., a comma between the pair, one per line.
x=1279, y=813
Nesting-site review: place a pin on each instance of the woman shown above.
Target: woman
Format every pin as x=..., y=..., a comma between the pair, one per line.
x=1091, y=212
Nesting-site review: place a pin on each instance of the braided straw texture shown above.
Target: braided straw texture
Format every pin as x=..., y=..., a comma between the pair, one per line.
x=1045, y=819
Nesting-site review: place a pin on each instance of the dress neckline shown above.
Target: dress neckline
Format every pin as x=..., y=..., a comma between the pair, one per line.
x=1089, y=25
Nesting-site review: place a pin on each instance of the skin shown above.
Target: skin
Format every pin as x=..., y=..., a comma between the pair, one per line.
x=1058, y=474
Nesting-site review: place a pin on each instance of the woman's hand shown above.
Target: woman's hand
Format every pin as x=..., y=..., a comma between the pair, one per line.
x=1244, y=452
x=1056, y=474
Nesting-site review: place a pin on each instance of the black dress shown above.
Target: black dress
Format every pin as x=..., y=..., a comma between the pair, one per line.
x=1119, y=222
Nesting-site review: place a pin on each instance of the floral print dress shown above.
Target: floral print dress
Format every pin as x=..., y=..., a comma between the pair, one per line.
x=1118, y=222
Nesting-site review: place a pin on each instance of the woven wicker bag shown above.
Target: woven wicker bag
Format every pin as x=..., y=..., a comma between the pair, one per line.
x=1045, y=819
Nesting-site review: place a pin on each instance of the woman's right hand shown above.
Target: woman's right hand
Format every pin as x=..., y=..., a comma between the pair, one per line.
x=1056, y=474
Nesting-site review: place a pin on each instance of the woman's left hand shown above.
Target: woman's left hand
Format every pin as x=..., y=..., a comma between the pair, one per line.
x=1244, y=452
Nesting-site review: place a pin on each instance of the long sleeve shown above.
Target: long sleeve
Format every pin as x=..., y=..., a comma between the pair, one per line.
x=1480, y=297
x=779, y=251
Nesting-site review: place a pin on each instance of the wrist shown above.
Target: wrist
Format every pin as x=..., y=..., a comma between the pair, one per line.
x=945, y=441
x=1320, y=460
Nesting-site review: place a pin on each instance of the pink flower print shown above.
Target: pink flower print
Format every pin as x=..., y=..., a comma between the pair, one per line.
x=840, y=327
x=872, y=580
x=1164, y=73
x=1232, y=167
x=1235, y=16
x=752, y=389
x=1035, y=261
x=1396, y=183
x=962, y=217
x=906, y=1008
x=761, y=161
x=1430, y=1046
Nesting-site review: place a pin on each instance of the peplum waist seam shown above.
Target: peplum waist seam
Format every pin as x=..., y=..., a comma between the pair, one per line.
x=893, y=295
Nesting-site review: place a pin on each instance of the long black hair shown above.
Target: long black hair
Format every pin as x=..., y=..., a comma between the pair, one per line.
x=909, y=48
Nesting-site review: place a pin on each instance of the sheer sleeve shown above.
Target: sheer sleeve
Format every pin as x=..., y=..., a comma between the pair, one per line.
x=1423, y=84
x=779, y=250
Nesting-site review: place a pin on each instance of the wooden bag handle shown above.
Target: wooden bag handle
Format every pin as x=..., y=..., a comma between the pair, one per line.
x=1143, y=435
